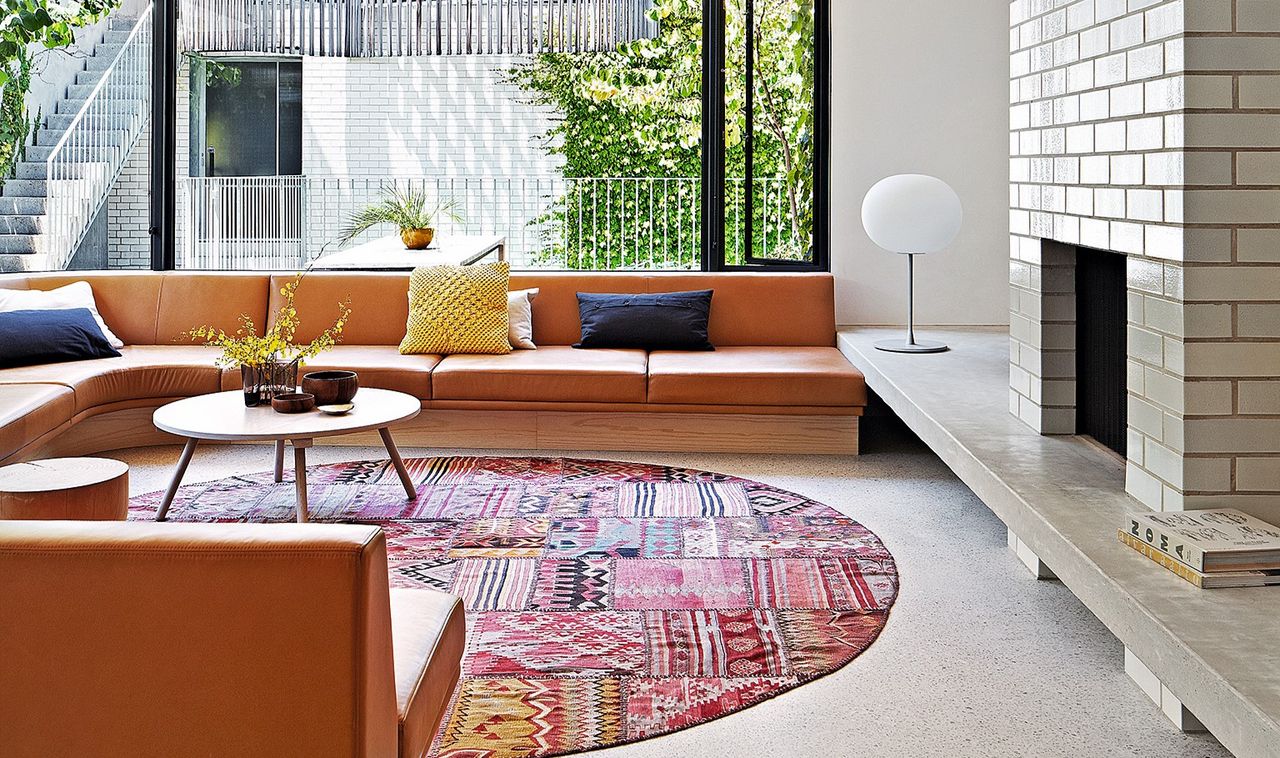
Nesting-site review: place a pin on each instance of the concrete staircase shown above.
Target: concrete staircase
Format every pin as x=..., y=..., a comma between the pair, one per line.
x=23, y=197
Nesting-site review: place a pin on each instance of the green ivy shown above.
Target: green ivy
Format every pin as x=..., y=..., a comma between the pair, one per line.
x=27, y=24
x=15, y=126
x=637, y=112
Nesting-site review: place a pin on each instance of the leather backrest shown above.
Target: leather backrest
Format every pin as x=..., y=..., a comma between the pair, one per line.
x=195, y=639
x=188, y=300
x=746, y=309
x=751, y=308
x=153, y=308
x=379, y=304
x=127, y=300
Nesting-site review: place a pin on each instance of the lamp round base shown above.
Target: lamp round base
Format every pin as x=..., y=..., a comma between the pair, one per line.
x=919, y=346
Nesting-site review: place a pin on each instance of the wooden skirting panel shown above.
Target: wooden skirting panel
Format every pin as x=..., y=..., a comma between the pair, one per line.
x=521, y=430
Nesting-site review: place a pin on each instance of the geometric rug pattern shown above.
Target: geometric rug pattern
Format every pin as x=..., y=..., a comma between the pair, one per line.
x=606, y=602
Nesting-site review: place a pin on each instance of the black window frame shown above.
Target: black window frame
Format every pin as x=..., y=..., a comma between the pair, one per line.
x=164, y=156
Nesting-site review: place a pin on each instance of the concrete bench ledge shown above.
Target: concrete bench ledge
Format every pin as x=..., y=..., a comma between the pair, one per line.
x=1215, y=650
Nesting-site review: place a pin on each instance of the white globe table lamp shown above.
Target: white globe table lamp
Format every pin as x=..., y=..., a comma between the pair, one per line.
x=911, y=214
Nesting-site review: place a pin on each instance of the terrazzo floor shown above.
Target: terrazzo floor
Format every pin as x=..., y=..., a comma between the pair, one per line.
x=978, y=659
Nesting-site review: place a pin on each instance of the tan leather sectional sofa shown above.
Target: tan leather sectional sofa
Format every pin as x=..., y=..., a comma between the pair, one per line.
x=217, y=640
x=775, y=383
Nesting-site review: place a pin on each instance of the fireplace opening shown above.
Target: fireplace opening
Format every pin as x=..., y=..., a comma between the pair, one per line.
x=1101, y=347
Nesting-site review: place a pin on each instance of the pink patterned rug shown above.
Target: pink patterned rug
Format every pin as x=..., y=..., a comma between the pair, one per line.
x=607, y=602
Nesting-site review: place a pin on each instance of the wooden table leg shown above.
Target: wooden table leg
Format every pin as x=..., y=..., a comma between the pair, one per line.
x=184, y=460
x=398, y=463
x=300, y=475
x=279, y=461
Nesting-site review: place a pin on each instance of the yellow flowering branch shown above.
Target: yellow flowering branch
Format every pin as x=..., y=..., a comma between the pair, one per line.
x=276, y=345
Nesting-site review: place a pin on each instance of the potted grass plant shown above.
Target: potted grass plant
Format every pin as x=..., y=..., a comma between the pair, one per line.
x=269, y=361
x=412, y=212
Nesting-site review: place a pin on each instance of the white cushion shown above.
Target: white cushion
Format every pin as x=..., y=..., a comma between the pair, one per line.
x=520, y=319
x=74, y=295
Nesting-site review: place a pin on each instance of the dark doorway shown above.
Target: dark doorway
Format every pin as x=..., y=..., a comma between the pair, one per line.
x=1101, y=347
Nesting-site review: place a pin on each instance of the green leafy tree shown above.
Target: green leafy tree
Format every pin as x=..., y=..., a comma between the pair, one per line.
x=29, y=24
x=636, y=112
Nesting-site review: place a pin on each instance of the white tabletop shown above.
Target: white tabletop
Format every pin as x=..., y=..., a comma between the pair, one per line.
x=223, y=416
x=389, y=253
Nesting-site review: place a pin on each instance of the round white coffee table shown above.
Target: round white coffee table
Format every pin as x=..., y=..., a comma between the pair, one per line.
x=223, y=417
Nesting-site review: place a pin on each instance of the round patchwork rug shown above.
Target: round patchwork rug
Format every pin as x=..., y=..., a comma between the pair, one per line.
x=607, y=602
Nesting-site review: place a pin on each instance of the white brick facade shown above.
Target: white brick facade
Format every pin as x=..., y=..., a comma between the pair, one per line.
x=1142, y=127
x=451, y=116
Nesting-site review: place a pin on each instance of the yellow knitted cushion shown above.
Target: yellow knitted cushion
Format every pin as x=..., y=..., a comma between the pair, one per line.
x=457, y=309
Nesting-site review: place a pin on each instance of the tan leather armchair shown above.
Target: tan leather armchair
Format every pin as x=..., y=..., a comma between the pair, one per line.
x=144, y=639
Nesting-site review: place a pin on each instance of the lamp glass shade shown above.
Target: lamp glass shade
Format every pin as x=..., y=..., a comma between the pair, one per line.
x=912, y=213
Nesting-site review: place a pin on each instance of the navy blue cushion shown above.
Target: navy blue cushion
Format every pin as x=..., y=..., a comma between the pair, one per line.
x=29, y=338
x=659, y=321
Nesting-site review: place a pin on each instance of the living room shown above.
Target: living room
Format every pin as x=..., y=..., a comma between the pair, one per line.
x=638, y=377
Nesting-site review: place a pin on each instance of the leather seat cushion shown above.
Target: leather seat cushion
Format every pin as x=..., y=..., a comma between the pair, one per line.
x=816, y=376
x=551, y=373
x=428, y=636
x=28, y=411
x=141, y=372
x=379, y=366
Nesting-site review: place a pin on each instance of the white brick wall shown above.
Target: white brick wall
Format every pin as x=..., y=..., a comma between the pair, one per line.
x=426, y=116
x=1148, y=128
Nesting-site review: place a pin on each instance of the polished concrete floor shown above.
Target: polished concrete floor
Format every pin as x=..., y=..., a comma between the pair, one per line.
x=978, y=659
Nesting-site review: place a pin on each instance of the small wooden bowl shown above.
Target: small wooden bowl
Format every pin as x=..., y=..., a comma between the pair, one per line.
x=331, y=387
x=294, y=402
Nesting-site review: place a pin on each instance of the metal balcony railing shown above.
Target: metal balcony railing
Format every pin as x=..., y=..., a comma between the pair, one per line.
x=286, y=222
x=379, y=28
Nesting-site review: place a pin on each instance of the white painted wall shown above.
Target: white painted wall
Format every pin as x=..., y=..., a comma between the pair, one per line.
x=921, y=86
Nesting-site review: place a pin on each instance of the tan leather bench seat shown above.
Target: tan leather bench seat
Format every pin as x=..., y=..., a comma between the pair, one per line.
x=428, y=635
x=552, y=373
x=28, y=411
x=775, y=375
x=379, y=366
x=143, y=372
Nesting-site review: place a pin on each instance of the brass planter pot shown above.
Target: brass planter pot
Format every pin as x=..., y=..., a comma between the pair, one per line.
x=417, y=239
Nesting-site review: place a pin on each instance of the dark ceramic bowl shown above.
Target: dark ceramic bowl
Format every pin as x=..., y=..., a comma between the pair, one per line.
x=293, y=402
x=331, y=387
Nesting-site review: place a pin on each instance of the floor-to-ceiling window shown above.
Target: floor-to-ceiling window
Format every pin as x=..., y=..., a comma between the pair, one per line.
x=614, y=134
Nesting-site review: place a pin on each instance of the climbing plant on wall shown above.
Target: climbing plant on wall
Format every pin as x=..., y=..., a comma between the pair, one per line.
x=637, y=112
x=30, y=25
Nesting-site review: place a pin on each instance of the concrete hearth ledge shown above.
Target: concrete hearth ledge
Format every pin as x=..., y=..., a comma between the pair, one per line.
x=1064, y=498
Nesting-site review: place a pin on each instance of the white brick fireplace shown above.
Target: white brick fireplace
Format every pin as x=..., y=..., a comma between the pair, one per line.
x=1152, y=130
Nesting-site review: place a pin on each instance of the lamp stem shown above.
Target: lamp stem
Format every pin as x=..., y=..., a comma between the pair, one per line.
x=911, y=298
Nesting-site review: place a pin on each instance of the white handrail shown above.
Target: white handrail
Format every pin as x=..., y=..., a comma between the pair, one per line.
x=90, y=154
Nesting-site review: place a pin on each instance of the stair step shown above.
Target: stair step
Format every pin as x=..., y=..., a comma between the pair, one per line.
x=72, y=105
x=121, y=22
x=41, y=153
x=88, y=77
x=11, y=264
x=22, y=244
x=50, y=137
x=60, y=122
x=72, y=170
x=27, y=206
x=107, y=49
x=24, y=188
x=103, y=55
x=23, y=225
x=116, y=88
x=116, y=36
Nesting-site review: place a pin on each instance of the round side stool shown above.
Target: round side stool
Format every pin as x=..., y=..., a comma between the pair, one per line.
x=78, y=489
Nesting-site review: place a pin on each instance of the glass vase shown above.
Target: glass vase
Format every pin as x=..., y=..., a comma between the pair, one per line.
x=265, y=381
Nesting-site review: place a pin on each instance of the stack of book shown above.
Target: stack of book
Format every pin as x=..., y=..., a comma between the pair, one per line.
x=1210, y=548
